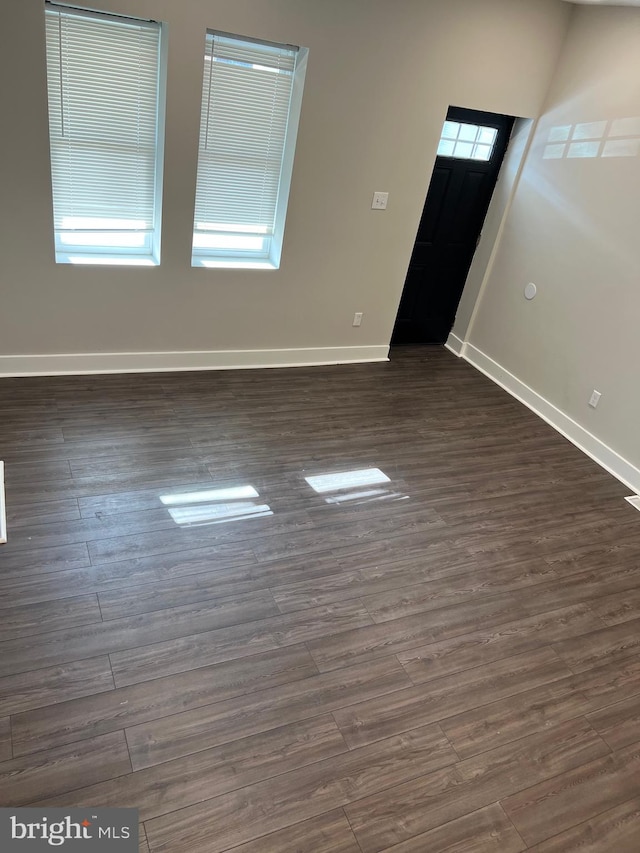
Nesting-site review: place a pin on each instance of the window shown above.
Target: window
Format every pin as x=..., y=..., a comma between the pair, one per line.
x=251, y=98
x=104, y=82
x=467, y=141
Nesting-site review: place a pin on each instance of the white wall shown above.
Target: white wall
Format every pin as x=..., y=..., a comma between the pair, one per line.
x=573, y=230
x=493, y=225
x=381, y=74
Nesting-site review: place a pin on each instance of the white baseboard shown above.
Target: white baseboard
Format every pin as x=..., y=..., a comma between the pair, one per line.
x=455, y=345
x=149, y=362
x=600, y=452
x=3, y=511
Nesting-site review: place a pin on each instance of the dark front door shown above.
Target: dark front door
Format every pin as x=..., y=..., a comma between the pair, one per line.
x=469, y=158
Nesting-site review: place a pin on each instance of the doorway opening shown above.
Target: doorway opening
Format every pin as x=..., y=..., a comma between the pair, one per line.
x=470, y=154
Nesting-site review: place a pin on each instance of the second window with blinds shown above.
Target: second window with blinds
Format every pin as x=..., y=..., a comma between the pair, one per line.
x=251, y=99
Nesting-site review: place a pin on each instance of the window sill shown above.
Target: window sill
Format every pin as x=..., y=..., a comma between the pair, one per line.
x=107, y=260
x=231, y=263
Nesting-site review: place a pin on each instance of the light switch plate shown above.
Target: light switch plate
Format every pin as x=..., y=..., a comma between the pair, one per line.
x=379, y=201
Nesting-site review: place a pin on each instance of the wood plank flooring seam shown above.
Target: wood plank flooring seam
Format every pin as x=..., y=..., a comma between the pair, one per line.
x=93, y=540
x=429, y=614
x=35, y=625
x=390, y=624
x=80, y=733
x=126, y=740
x=15, y=703
x=445, y=735
x=416, y=844
x=561, y=832
x=607, y=630
x=592, y=817
x=8, y=583
x=366, y=720
x=613, y=754
x=113, y=678
x=229, y=539
x=245, y=737
x=512, y=824
x=102, y=619
x=155, y=678
x=566, y=692
x=465, y=787
x=497, y=628
x=260, y=729
x=346, y=817
x=463, y=572
x=315, y=665
x=271, y=628
x=521, y=738
x=172, y=815
x=184, y=578
x=110, y=746
x=590, y=605
x=251, y=622
x=613, y=730
x=274, y=602
x=370, y=615
x=270, y=778
x=536, y=588
x=31, y=803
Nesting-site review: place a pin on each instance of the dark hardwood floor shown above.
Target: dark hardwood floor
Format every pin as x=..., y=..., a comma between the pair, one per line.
x=333, y=610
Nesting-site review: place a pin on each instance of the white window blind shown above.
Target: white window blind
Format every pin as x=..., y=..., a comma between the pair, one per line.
x=246, y=131
x=103, y=85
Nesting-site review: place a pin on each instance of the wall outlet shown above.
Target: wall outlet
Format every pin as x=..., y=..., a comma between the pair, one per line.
x=379, y=201
x=357, y=318
x=594, y=399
